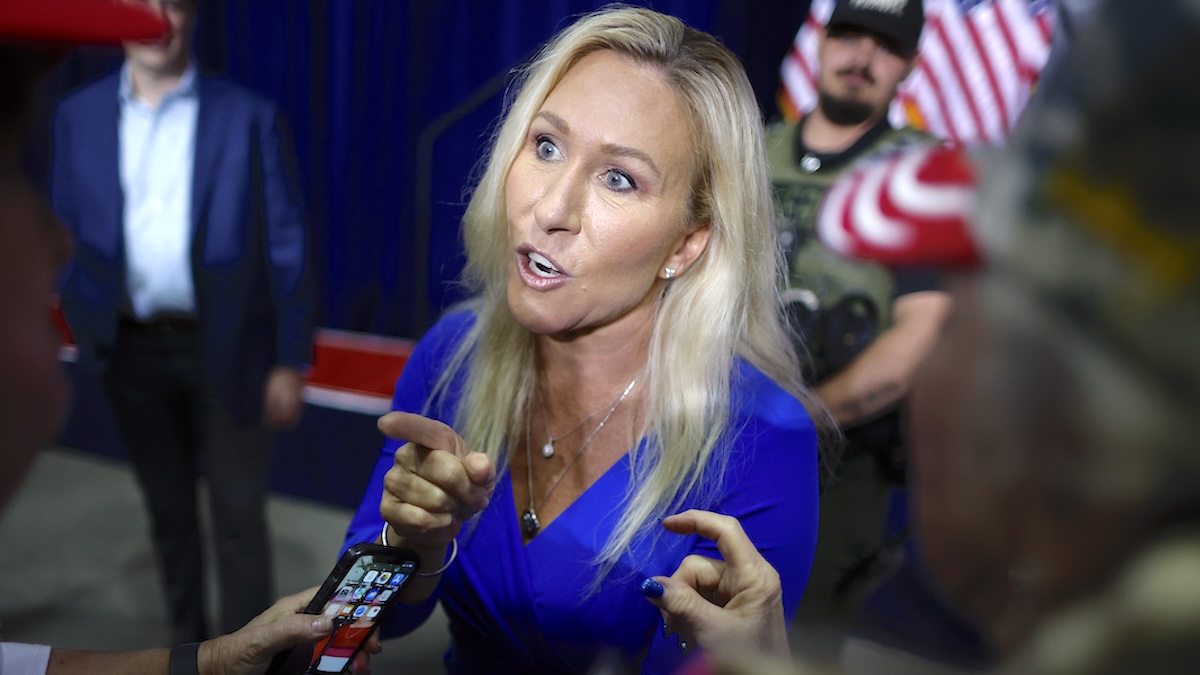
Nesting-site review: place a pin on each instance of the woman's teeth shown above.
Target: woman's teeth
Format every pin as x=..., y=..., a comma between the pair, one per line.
x=542, y=267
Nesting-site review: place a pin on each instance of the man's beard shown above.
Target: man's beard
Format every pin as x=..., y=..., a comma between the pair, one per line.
x=845, y=112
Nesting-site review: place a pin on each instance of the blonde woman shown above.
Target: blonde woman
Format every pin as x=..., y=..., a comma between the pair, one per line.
x=623, y=359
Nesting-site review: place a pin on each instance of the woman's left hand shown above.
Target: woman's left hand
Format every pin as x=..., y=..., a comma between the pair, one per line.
x=730, y=605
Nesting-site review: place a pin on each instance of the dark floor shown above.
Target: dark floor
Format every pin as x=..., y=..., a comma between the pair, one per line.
x=78, y=570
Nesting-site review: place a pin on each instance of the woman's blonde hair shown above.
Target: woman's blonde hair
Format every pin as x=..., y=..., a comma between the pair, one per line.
x=726, y=306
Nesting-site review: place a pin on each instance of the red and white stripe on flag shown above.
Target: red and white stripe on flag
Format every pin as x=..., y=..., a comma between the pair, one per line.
x=913, y=207
x=979, y=62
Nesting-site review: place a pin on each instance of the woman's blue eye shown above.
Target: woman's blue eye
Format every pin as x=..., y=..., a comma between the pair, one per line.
x=546, y=148
x=616, y=180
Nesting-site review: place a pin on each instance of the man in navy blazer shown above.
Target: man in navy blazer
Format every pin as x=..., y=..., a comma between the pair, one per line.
x=190, y=297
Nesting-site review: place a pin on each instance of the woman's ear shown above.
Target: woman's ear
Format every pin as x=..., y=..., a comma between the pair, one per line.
x=689, y=249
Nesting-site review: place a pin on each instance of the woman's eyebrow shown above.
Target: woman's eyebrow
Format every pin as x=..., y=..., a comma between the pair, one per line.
x=556, y=121
x=608, y=148
x=626, y=151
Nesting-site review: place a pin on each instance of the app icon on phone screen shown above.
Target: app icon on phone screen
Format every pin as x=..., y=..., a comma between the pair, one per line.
x=357, y=595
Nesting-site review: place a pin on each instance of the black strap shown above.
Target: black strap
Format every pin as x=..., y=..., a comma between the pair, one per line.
x=185, y=659
x=832, y=160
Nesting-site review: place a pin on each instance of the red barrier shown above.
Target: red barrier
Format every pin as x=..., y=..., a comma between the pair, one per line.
x=350, y=371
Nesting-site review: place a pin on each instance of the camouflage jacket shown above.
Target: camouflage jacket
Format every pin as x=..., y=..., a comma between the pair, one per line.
x=856, y=296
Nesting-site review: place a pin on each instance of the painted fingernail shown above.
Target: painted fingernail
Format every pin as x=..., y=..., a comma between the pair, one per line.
x=651, y=588
x=665, y=631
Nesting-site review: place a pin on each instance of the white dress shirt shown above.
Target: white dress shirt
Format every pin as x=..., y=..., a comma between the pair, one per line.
x=17, y=658
x=157, y=151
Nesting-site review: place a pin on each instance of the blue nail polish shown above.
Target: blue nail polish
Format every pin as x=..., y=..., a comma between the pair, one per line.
x=651, y=589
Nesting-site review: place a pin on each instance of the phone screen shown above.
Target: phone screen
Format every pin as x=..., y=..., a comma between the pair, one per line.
x=370, y=585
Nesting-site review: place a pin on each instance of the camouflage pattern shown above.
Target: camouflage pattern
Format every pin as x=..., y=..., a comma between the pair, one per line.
x=1095, y=213
x=1146, y=621
x=1092, y=218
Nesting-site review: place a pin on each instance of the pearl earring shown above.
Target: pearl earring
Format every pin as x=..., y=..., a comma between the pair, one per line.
x=669, y=272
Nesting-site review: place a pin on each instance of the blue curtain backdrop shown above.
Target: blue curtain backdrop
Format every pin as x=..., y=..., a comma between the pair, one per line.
x=390, y=103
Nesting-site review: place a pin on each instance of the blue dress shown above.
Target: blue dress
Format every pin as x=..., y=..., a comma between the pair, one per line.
x=527, y=608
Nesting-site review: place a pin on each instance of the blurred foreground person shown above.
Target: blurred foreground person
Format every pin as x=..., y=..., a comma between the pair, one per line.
x=33, y=389
x=1056, y=476
x=1056, y=425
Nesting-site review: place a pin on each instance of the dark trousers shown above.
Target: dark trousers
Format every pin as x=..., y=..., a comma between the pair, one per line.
x=852, y=530
x=173, y=423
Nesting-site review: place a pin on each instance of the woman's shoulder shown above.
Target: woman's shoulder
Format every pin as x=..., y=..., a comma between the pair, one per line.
x=755, y=396
x=439, y=342
x=430, y=358
x=452, y=326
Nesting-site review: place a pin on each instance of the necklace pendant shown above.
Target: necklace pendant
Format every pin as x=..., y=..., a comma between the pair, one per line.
x=548, y=449
x=529, y=523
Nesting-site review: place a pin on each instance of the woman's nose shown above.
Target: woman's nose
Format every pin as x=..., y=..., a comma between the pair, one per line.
x=557, y=208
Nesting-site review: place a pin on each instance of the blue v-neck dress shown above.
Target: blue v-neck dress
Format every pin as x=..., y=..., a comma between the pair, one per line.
x=517, y=608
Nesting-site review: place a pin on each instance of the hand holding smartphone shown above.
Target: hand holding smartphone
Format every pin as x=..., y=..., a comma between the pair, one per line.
x=363, y=585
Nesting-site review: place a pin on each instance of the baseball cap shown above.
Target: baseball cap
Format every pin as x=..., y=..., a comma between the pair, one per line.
x=1091, y=214
x=898, y=20
x=79, y=21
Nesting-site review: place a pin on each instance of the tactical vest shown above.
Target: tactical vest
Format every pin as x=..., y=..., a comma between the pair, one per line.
x=840, y=305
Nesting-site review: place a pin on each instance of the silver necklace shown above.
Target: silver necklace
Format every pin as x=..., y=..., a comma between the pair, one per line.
x=530, y=524
x=551, y=439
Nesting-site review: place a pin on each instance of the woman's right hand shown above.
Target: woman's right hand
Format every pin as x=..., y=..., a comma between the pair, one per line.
x=434, y=486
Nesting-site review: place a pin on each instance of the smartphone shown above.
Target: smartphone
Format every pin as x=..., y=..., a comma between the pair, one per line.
x=356, y=595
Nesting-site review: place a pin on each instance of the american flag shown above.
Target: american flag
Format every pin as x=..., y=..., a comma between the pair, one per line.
x=979, y=62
